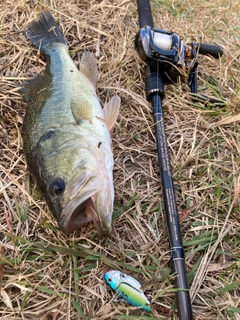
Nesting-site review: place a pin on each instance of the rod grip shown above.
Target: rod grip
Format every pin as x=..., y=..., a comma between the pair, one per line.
x=210, y=49
x=144, y=13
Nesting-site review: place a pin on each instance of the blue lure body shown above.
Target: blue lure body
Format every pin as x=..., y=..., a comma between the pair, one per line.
x=128, y=288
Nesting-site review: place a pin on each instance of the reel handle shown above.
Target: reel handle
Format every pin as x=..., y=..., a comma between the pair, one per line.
x=209, y=49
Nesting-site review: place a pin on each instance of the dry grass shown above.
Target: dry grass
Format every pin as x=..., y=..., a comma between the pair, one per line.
x=46, y=275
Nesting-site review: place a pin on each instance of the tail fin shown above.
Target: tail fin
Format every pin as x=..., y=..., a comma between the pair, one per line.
x=44, y=31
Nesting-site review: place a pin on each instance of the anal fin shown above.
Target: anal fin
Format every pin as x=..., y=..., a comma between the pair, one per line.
x=88, y=67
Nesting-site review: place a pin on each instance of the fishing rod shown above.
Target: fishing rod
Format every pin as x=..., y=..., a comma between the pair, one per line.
x=165, y=54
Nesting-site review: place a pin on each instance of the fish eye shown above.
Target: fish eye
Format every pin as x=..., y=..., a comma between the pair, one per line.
x=109, y=280
x=57, y=187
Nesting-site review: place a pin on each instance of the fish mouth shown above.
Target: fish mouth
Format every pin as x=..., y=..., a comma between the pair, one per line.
x=80, y=213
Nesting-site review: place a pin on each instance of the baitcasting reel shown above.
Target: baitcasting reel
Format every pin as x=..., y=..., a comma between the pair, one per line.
x=167, y=57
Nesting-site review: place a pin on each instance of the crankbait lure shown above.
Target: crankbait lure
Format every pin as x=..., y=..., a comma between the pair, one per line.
x=128, y=288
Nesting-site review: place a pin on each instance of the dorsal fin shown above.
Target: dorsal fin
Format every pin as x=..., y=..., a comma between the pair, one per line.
x=29, y=85
x=88, y=67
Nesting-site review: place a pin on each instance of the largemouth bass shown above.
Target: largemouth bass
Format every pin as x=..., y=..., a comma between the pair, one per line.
x=67, y=134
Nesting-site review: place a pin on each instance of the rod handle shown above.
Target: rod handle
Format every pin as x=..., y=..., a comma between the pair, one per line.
x=210, y=49
x=144, y=13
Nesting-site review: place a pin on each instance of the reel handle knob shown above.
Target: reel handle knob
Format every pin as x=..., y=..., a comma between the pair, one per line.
x=210, y=49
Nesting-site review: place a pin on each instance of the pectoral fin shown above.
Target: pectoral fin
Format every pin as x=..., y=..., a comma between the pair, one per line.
x=81, y=109
x=111, y=112
x=88, y=67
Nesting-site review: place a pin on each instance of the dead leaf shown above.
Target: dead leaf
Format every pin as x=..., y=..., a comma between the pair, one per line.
x=6, y=299
x=228, y=120
x=1, y=266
